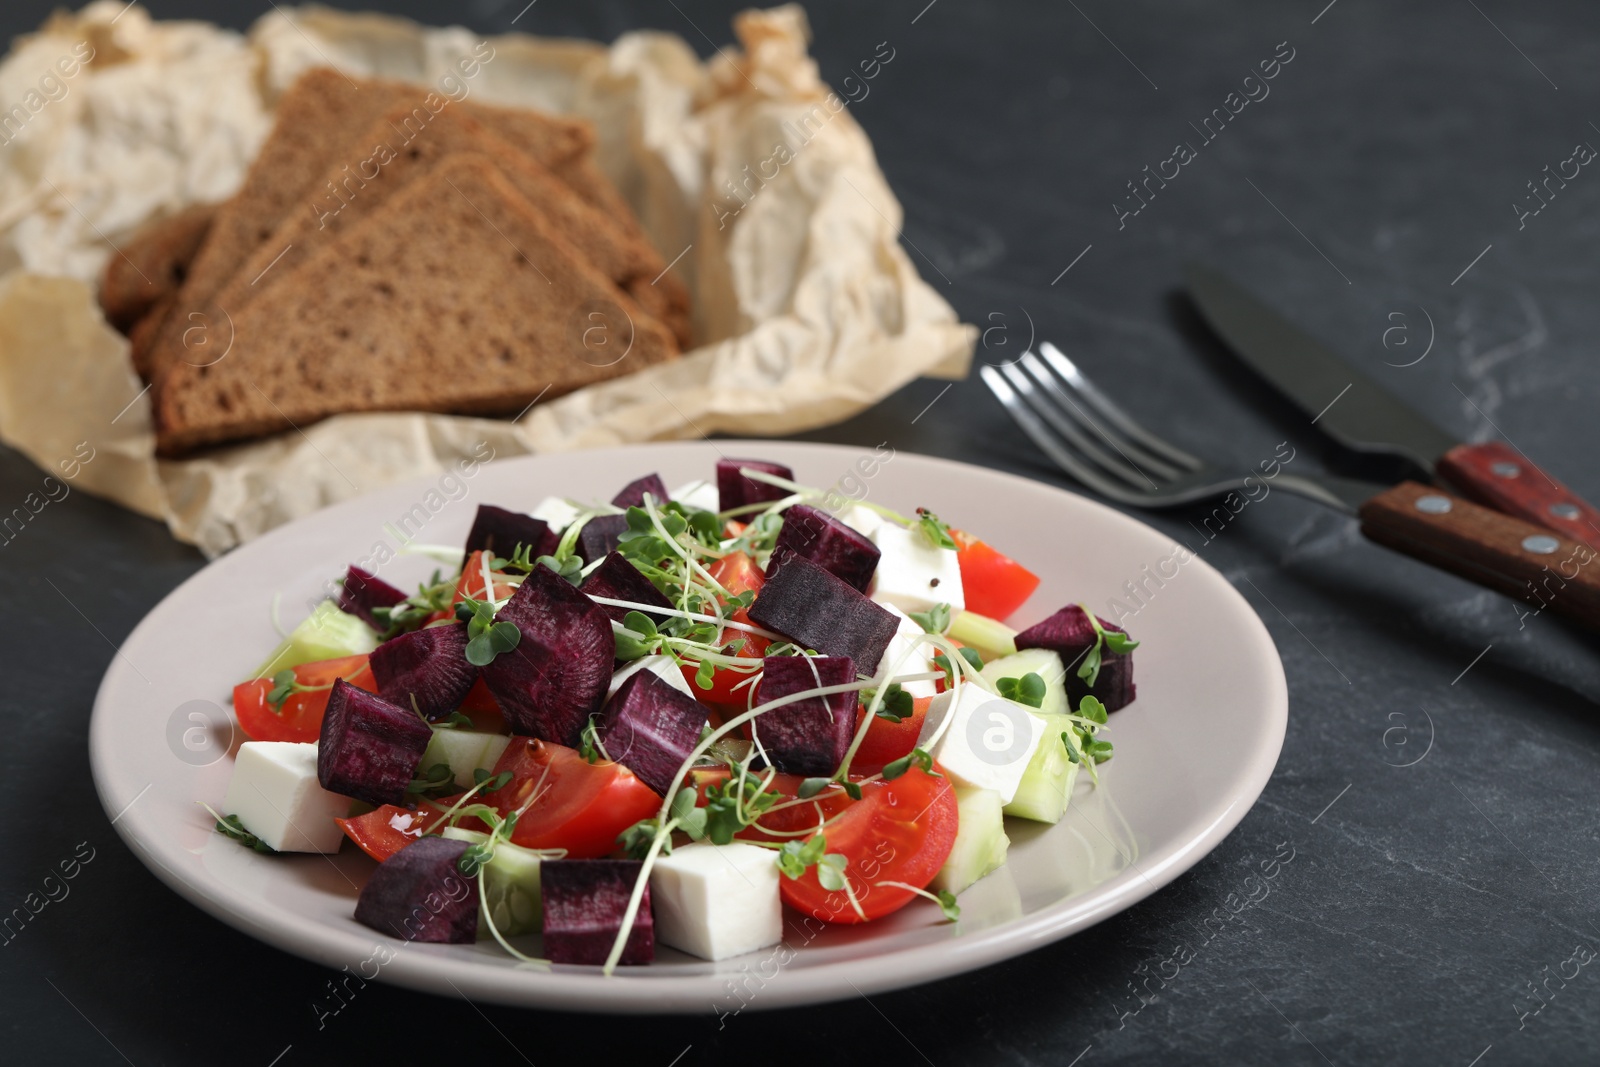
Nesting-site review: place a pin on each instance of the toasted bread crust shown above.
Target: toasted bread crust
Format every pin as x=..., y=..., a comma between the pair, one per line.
x=317, y=118
x=458, y=295
x=388, y=156
x=151, y=266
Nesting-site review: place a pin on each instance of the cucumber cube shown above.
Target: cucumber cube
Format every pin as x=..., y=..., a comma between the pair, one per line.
x=1046, y=786
x=327, y=633
x=989, y=636
x=510, y=885
x=465, y=751
x=981, y=840
x=1044, y=662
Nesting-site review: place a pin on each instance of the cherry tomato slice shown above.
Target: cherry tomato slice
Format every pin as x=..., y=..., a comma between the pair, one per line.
x=992, y=583
x=738, y=573
x=899, y=831
x=301, y=717
x=480, y=706
x=382, y=832
x=471, y=582
x=887, y=741
x=580, y=806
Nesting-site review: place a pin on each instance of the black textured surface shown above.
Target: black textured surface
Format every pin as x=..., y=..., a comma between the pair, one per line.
x=1421, y=901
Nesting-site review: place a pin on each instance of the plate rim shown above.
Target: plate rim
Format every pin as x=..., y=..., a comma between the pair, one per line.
x=584, y=990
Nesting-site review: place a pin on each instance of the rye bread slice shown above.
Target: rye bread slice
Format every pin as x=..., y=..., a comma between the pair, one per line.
x=151, y=265
x=458, y=296
x=317, y=121
x=394, y=154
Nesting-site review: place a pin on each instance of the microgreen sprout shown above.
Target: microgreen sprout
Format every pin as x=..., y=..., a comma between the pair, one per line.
x=936, y=620
x=521, y=559
x=570, y=568
x=432, y=596
x=797, y=857
x=1029, y=689
x=230, y=826
x=486, y=638
x=937, y=533
x=916, y=757
x=897, y=704
x=944, y=898
x=438, y=780
x=973, y=660
x=286, y=684
x=1115, y=640
x=590, y=745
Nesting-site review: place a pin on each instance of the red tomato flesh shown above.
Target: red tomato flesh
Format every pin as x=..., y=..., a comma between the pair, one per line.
x=382, y=832
x=471, y=582
x=579, y=806
x=738, y=573
x=887, y=741
x=992, y=583
x=899, y=831
x=301, y=718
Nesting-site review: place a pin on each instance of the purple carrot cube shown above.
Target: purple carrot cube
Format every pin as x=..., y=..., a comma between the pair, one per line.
x=734, y=489
x=650, y=727
x=369, y=748
x=420, y=894
x=632, y=495
x=600, y=536
x=618, y=579
x=810, y=736
x=500, y=531
x=584, y=902
x=827, y=542
x=1070, y=633
x=363, y=592
x=818, y=611
x=427, y=666
x=558, y=674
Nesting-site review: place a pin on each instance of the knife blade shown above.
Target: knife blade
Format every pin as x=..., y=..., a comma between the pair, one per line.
x=1365, y=417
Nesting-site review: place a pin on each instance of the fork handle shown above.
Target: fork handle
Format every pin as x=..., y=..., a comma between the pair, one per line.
x=1496, y=474
x=1532, y=563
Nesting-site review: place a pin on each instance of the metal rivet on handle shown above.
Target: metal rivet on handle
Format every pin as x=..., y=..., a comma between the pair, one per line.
x=1505, y=470
x=1433, y=504
x=1543, y=544
x=1564, y=510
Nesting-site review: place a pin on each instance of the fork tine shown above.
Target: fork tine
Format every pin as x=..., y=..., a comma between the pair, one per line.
x=1113, y=414
x=1045, y=406
x=1068, y=399
x=1024, y=417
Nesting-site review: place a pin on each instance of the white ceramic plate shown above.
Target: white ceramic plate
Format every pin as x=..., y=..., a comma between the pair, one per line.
x=160, y=740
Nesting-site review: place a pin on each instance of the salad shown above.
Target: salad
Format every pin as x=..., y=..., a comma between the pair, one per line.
x=670, y=717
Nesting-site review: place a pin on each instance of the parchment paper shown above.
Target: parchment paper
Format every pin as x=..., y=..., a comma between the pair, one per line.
x=806, y=308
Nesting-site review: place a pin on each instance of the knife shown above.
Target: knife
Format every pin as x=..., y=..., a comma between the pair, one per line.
x=1364, y=417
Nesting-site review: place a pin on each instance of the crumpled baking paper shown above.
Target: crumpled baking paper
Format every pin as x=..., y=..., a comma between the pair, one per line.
x=806, y=308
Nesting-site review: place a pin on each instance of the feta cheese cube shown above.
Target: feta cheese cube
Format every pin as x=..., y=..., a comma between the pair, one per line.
x=275, y=794
x=914, y=574
x=717, y=901
x=669, y=671
x=465, y=751
x=698, y=494
x=556, y=511
x=906, y=640
x=984, y=740
x=863, y=520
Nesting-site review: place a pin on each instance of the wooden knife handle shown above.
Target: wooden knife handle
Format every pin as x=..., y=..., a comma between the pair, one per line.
x=1531, y=563
x=1499, y=476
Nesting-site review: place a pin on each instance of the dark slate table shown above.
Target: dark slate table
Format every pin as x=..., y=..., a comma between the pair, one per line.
x=1430, y=909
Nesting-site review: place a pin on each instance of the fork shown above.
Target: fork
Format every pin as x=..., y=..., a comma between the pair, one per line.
x=1096, y=442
